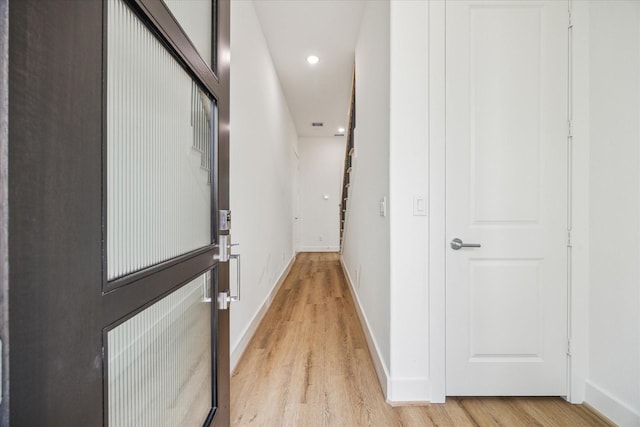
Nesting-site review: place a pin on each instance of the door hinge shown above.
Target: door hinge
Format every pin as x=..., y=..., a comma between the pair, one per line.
x=569, y=243
x=569, y=128
x=570, y=19
x=568, y=347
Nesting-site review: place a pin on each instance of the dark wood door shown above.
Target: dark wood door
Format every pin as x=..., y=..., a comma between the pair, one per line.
x=67, y=302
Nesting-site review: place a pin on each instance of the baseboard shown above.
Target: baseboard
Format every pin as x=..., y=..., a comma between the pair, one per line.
x=408, y=391
x=381, y=370
x=319, y=248
x=609, y=406
x=250, y=330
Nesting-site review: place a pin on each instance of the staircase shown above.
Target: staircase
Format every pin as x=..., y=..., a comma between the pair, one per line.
x=348, y=161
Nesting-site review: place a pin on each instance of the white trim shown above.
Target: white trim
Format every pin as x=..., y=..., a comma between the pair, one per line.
x=570, y=188
x=579, y=296
x=403, y=391
x=615, y=410
x=437, y=201
x=374, y=350
x=240, y=348
x=319, y=248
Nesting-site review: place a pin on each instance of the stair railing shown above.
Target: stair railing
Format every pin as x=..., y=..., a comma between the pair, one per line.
x=348, y=161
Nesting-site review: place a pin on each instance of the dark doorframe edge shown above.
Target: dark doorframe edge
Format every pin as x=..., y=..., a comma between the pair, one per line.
x=170, y=31
x=4, y=210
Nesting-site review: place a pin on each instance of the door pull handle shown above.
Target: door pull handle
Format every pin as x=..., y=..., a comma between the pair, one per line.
x=237, y=296
x=225, y=297
x=456, y=244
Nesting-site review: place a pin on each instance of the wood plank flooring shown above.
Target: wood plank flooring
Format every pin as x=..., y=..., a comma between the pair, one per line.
x=308, y=365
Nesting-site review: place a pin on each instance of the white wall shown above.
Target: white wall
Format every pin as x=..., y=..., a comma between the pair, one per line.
x=366, y=241
x=613, y=383
x=321, y=166
x=408, y=180
x=263, y=140
x=386, y=256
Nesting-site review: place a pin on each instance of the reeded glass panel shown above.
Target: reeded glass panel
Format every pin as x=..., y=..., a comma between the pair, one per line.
x=159, y=362
x=195, y=17
x=159, y=134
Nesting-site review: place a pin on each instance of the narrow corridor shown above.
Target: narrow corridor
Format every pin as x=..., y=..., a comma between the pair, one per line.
x=308, y=365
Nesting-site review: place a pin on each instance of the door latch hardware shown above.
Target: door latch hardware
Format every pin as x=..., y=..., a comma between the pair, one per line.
x=224, y=220
x=223, y=300
x=224, y=248
x=224, y=255
x=456, y=244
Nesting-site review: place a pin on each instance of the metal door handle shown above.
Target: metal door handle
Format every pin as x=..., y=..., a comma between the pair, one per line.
x=457, y=244
x=206, y=287
x=225, y=255
x=224, y=297
x=237, y=258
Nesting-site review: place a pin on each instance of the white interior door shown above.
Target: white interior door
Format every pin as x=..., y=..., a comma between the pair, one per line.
x=506, y=137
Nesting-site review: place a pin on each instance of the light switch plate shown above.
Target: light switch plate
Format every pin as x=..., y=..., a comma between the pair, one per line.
x=419, y=205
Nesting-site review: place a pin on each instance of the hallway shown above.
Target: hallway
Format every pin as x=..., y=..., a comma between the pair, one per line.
x=308, y=365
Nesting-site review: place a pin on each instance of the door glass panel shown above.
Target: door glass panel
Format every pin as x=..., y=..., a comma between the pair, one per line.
x=159, y=137
x=159, y=362
x=196, y=18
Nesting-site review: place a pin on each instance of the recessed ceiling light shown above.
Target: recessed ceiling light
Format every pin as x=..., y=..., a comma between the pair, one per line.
x=312, y=59
x=340, y=130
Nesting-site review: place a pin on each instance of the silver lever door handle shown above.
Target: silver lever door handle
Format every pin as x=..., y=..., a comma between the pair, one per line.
x=456, y=244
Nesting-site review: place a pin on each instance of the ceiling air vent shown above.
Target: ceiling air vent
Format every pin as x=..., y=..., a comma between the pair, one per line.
x=317, y=124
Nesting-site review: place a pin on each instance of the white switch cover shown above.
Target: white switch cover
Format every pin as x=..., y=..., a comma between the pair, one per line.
x=419, y=205
x=383, y=206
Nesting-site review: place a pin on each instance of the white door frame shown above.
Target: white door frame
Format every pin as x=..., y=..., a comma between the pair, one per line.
x=578, y=295
x=297, y=219
x=437, y=200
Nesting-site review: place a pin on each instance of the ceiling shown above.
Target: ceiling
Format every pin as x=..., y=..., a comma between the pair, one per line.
x=295, y=29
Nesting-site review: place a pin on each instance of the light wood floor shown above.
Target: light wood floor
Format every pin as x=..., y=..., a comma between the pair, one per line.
x=308, y=365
